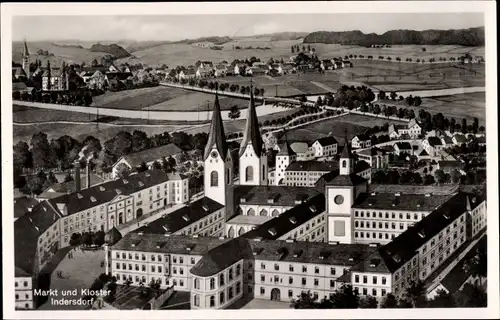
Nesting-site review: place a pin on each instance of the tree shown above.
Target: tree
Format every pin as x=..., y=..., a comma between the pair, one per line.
x=234, y=113
x=156, y=165
x=394, y=95
x=415, y=294
x=123, y=170
x=345, y=298
x=476, y=266
x=143, y=167
x=464, y=125
x=442, y=300
x=41, y=152
x=368, y=302
x=68, y=177
x=428, y=180
x=440, y=176
x=471, y=296
x=35, y=184
x=22, y=157
x=389, y=302
x=455, y=176
x=475, y=126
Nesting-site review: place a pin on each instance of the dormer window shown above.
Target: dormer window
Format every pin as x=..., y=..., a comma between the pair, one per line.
x=79, y=196
x=293, y=220
x=93, y=199
x=397, y=258
x=118, y=191
x=313, y=209
x=323, y=255
x=102, y=188
x=147, y=174
x=297, y=253
x=243, y=200
x=205, y=208
x=272, y=232
x=185, y=217
x=141, y=184
x=421, y=234
x=125, y=181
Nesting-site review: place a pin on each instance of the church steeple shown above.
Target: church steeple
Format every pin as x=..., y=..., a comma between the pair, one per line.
x=346, y=159
x=25, y=49
x=216, y=136
x=26, y=59
x=252, y=133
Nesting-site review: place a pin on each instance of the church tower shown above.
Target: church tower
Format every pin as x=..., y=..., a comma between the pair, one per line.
x=341, y=193
x=218, y=174
x=26, y=60
x=253, y=157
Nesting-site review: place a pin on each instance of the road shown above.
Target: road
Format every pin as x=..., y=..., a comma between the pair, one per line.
x=262, y=110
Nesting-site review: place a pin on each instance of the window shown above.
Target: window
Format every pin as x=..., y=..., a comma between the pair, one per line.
x=290, y=268
x=221, y=298
x=374, y=292
x=196, y=300
x=262, y=278
x=212, y=301
x=196, y=283
x=181, y=260
x=374, y=280
x=276, y=279
x=276, y=267
x=304, y=281
x=304, y=269
x=332, y=271
x=290, y=293
x=262, y=291
x=356, y=279
x=365, y=291
x=316, y=282
x=212, y=283
x=263, y=266
x=192, y=261
x=290, y=280
x=365, y=279
x=214, y=179
x=316, y=270
x=238, y=270
x=230, y=293
x=230, y=276
x=221, y=280
x=249, y=173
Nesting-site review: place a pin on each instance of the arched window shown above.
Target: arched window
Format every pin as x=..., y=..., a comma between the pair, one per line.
x=196, y=283
x=263, y=212
x=212, y=283
x=196, y=300
x=228, y=176
x=249, y=173
x=230, y=276
x=212, y=301
x=238, y=288
x=241, y=231
x=221, y=280
x=275, y=213
x=221, y=298
x=214, y=179
x=263, y=172
x=344, y=163
x=230, y=232
x=251, y=212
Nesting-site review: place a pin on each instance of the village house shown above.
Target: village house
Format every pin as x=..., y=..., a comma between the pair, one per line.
x=325, y=147
x=327, y=65
x=276, y=66
x=288, y=69
x=449, y=165
x=411, y=130
x=97, y=81
x=205, y=65
x=256, y=71
x=186, y=74
x=361, y=141
x=59, y=80
x=447, y=141
x=239, y=69
x=376, y=157
x=403, y=148
x=433, y=146
x=458, y=139
x=203, y=73
x=220, y=70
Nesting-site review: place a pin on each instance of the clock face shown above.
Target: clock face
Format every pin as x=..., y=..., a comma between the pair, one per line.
x=339, y=199
x=214, y=154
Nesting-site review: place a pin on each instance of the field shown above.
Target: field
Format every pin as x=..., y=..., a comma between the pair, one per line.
x=468, y=105
x=354, y=124
x=393, y=76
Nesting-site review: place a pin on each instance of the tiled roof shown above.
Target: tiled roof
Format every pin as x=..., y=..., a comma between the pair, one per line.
x=434, y=141
x=299, y=147
x=118, y=75
x=26, y=52
x=403, y=248
x=373, y=263
x=251, y=220
x=216, y=135
x=65, y=187
x=289, y=220
x=313, y=165
x=281, y=195
x=327, y=141
x=407, y=202
x=152, y=154
x=447, y=140
x=252, y=133
x=103, y=193
x=22, y=205
x=257, y=70
x=183, y=217
x=362, y=137
x=173, y=244
x=346, y=150
x=449, y=163
x=237, y=249
x=19, y=86
x=347, y=180
x=325, y=179
x=286, y=150
x=403, y=146
x=27, y=229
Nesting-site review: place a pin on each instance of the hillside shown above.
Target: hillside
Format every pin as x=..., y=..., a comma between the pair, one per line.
x=282, y=36
x=464, y=37
x=214, y=40
x=112, y=49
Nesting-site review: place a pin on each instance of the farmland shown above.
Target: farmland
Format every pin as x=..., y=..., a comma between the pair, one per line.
x=468, y=105
x=354, y=124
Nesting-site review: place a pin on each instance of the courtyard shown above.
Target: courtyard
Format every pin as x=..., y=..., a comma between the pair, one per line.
x=78, y=273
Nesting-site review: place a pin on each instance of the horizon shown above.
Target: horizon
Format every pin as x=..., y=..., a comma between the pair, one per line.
x=176, y=27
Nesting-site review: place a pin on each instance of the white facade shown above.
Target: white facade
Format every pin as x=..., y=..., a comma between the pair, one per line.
x=253, y=170
x=358, y=144
x=324, y=151
x=218, y=175
x=282, y=162
x=23, y=293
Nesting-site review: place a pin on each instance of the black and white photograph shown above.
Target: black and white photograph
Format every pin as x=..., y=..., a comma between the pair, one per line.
x=220, y=160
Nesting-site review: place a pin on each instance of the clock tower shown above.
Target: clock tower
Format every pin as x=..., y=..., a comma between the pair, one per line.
x=341, y=193
x=218, y=174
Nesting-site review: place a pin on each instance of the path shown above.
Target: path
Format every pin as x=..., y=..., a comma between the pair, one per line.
x=323, y=86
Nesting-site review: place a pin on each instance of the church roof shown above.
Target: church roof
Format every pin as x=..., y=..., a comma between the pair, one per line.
x=216, y=134
x=346, y=151
x=252, y=132
x=347, y=180
x=26, y=53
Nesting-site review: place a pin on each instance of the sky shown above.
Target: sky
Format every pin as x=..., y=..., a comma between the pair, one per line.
x=178, y=27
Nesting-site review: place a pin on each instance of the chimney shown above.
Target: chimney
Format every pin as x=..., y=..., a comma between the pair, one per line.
x=88, y=174
x=77, y=176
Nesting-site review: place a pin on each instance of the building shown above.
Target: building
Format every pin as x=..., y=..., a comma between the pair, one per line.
x=433, y=146
x=401, y=148
x=327, y=65
x=203, y=72
x=220, y=70
x=411, y=130
x=239, y=69
x=377, y=158
x=147, y=156
x=284, y=158
x=303, y=151
x=458, y=139
x=55, y=79
x=23, y=284
x=256, y=205
x=186, y=74
x=325, y=147
x=97, y=80
x=25, y=63
x=361, y=141
x=256, y=71
x=449, y=165
x=307, y=173
x=447, y=141
x=22, y=205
